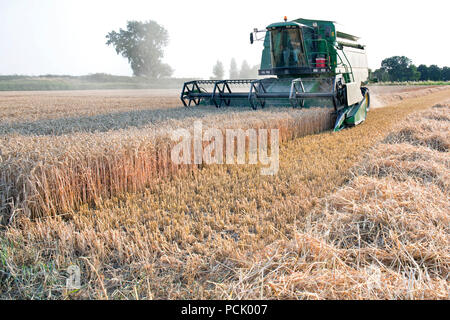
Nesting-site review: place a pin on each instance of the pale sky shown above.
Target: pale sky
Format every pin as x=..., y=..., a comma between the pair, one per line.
x=68, y=36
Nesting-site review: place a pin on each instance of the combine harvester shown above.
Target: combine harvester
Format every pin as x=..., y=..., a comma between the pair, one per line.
x=307, y=63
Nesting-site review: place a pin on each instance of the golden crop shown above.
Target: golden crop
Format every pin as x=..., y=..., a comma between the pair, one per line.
x=312, y=231
x=54, y=166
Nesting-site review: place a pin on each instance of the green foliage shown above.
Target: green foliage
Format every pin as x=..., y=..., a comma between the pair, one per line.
x=423, y=69
x=434, y=73
x=142, y=43
x=446, y=73
x=380, y=75
x=413, y=74
x=414, y=83
x=400, y=69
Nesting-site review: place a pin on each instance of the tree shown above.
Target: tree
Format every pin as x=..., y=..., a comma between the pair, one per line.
x=234, y=72
x=400, y=69
x=218, y=71
x=397, y=67
x=412, y=74
x=435, y=73
x=446, y=73
x=381, y=75
x=142, y=43
x=423, y=69
x=254, y=71
x=246, y=71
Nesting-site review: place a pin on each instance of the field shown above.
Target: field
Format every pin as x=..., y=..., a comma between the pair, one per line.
x=86, y=180
x=98, y=81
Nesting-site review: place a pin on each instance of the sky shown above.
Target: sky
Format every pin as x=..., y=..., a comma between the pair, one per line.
x=68, y=36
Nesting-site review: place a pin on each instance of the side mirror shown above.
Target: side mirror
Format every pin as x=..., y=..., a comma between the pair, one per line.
x=251, y=38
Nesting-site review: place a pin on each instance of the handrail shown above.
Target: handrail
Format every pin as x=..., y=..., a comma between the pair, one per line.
x=343, y=64
x=310, y=55
x=350, y=66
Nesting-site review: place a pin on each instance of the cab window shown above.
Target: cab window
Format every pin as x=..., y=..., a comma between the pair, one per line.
x=287, y=48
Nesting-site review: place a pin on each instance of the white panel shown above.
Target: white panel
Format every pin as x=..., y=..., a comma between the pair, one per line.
x=358, y=62
x=354, y=94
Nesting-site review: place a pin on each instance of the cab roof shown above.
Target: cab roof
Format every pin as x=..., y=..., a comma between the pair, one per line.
x=309, y=23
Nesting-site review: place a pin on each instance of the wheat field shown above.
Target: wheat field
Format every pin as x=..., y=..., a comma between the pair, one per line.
x=98, y=191
x=52, y=168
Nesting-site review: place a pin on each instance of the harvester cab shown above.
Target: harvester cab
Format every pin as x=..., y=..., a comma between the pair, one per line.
x=305, y=63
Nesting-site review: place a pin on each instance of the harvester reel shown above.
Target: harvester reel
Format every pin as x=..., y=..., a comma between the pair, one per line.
x=219, y=90
x=296, y=86
x=256, y=87
x=188, y=89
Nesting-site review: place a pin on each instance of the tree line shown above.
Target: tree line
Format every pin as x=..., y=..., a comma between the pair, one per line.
x=245, y=72
x=401, y=68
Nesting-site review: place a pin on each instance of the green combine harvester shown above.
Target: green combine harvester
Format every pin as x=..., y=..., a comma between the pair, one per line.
x=307, y=63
